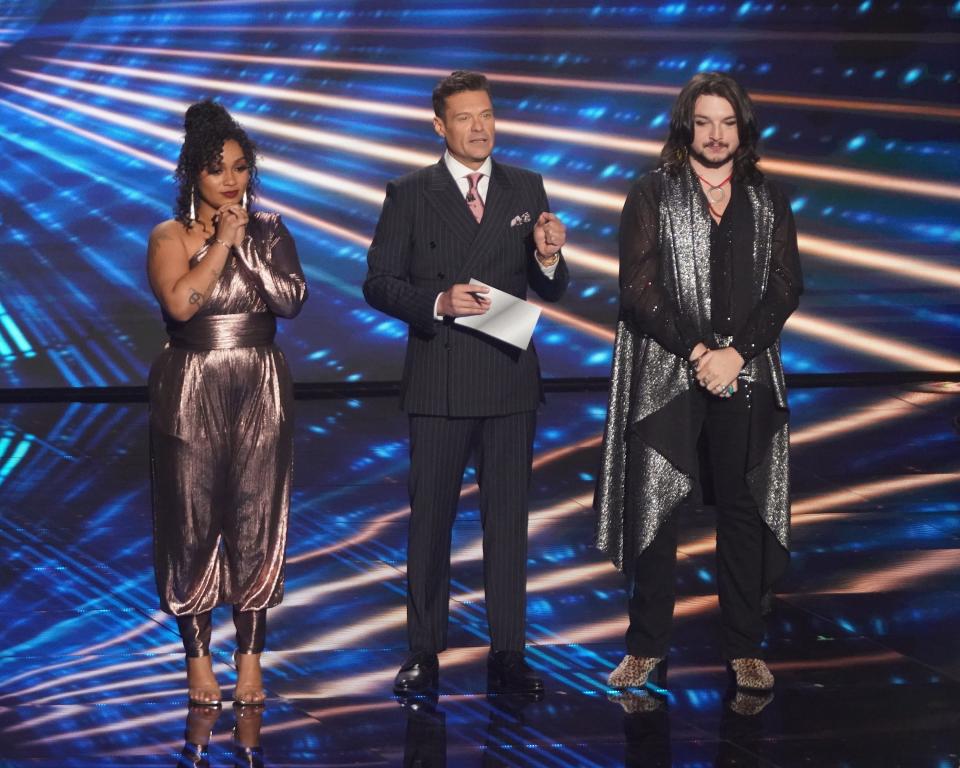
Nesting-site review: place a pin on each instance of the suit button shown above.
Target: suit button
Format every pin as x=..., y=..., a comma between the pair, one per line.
x=441, y=274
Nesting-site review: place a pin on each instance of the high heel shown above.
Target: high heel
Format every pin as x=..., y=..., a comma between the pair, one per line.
x=211, y=695
x=193, y=756
x=637, y=671
x=248, y=697
x=248, y=757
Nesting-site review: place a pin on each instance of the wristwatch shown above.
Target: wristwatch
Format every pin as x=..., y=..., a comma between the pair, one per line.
x=547, y=261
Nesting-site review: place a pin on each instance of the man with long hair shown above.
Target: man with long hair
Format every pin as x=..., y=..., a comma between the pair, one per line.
x=709, y=273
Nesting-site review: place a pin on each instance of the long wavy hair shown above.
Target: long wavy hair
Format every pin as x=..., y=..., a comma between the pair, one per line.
x=206, y=126
x=675, y=152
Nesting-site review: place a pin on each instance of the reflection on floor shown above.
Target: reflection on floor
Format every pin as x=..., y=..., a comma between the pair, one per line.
x=863, y=637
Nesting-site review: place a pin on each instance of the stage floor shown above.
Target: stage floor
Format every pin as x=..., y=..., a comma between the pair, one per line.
x=863, y=637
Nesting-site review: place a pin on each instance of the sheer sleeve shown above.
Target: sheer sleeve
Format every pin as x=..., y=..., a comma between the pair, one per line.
x=784, y=285
x=275, y=269
x=644, y=302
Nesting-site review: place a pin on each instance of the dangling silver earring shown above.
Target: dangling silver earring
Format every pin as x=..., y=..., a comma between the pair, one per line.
x=193, y=204
x=244, y=201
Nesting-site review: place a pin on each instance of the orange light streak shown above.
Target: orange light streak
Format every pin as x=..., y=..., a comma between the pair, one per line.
x=131, y=723
x=835, y=174
x=872, y=345
x=831, y=174
x=595, y=262
x=873, y=490
x=381, y=108
x=371, y=529
x=893, y=577
x=780, y=99
x=867, y=416
x=395, y=617
x=565, y=318
x=876, y=259
x=833, y=250
x=908, y=355
x=580, y=574
x=295, y=132
x=365, y=192
x=809, y=510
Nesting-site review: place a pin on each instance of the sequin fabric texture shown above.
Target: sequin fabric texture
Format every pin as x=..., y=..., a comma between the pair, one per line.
x=665, y=293
x=221, y=433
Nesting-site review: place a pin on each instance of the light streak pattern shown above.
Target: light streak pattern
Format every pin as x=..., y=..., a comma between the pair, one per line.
x=85, y=105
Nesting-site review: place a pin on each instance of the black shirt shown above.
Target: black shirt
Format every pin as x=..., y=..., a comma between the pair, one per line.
x=652, y=311
x=731, y=264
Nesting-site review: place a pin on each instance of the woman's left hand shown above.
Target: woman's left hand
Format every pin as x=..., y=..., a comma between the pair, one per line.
x=718, y=369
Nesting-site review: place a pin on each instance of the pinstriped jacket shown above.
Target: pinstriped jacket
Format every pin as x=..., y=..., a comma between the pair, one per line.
x=427, y=240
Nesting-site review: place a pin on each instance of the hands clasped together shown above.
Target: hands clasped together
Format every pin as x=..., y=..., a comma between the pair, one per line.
x=716, y=370
x=231, y=224
x=461, y=299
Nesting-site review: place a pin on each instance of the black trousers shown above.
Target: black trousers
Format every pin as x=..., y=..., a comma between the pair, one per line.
x=740, y=536
x=440, y=448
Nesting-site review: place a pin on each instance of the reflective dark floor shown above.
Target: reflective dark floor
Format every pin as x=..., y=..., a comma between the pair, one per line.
x=863, y=637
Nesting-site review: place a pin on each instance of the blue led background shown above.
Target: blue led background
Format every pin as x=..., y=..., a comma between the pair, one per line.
x=858, y=101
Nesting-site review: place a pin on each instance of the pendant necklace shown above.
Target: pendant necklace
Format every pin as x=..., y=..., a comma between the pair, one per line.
x=715, y=193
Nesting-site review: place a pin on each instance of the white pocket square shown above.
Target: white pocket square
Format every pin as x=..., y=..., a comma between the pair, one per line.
x=523, y=218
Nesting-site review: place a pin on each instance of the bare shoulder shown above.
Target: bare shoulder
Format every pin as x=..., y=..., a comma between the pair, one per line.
x=171, y=229
x=168, y=236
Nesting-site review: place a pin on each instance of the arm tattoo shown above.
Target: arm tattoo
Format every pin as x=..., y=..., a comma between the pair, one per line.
x=155, y=242
x=195, y=296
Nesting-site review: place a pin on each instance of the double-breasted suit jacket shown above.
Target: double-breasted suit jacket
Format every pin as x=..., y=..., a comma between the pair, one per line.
x=426, y=241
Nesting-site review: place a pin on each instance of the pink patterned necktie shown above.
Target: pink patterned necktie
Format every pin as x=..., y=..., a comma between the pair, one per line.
x=473, y=197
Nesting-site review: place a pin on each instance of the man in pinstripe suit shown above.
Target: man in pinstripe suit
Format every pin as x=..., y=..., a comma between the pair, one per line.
x=465, y=393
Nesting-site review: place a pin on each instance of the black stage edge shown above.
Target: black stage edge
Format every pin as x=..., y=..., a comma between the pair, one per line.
x=341, y=390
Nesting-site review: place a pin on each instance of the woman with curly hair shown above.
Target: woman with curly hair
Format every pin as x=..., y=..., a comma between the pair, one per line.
x=221, y=430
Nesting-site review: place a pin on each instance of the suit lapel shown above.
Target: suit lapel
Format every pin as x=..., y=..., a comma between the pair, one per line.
x=495, y=223
x=444, y=195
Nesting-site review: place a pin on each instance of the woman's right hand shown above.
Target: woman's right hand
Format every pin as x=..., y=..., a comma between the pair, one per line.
x=231, y=223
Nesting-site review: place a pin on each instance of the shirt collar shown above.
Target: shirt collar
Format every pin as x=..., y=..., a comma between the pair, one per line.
x=459, y=171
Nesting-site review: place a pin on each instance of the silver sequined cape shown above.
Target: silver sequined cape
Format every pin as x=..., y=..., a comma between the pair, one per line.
x=646, y=379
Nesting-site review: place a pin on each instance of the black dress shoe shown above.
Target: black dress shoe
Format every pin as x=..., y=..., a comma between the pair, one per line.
x=508, y=672
x=420, y=673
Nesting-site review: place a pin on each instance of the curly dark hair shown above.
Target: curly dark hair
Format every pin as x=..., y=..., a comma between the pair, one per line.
x=207, y=126
x=674, y=154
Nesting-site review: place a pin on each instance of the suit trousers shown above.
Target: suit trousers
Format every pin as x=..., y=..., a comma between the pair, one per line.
x=740, y=535
x=440, y=448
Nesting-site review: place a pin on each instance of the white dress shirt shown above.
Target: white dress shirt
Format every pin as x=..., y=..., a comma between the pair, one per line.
x=460, y=172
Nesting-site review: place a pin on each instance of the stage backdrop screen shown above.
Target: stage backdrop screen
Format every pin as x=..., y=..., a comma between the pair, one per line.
x=857, y=102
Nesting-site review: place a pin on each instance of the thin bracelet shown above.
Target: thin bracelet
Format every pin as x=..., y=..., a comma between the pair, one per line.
x=224, y=244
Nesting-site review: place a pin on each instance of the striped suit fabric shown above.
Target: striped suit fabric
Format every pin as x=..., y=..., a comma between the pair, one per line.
x=465, y=394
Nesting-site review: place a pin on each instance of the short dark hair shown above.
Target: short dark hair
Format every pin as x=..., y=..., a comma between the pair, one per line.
x=457, y=82
x=674, y=153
